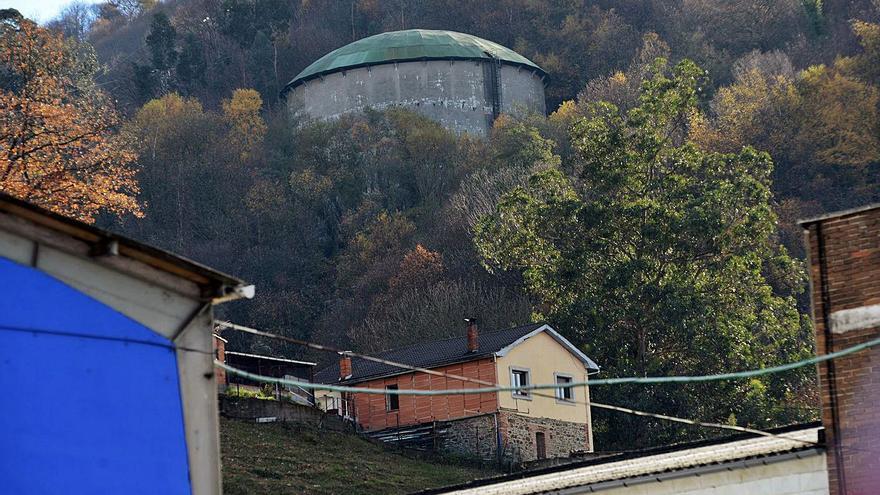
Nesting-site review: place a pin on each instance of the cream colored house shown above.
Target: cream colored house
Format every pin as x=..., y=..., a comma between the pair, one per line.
x=519, y=426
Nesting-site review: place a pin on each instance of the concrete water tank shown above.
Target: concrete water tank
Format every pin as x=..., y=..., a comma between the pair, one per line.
x=461, y=81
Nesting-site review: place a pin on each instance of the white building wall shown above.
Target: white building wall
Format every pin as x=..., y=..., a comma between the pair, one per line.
x=806, y=476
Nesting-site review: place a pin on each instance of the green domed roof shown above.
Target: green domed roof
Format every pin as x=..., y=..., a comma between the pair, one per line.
x=412, y=44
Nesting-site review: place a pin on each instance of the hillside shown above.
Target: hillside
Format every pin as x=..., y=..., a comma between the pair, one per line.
x=651, y=216
x=280, y=458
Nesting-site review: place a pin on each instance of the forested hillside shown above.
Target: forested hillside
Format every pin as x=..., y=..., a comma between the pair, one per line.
x=650, y=215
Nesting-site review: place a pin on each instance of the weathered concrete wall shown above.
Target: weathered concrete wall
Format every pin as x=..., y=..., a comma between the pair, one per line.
x=521, y=91
x=451, y=92
x=250, y=408
x=561, y=438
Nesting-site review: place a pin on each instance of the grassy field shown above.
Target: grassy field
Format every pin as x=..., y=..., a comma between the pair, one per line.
x=280, y=458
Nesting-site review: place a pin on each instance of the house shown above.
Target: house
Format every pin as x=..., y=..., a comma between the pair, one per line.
x=106, y=360
x=840, y=458
x=514, y=426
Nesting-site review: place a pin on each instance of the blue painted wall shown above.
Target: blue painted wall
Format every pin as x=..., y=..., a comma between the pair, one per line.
x=89, y=399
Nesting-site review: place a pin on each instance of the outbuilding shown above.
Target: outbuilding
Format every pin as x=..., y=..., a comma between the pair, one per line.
x=106, y=360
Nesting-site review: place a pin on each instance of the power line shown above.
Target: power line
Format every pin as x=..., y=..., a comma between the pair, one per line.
x=494, y=387
x=379, y=391
x=553, y=386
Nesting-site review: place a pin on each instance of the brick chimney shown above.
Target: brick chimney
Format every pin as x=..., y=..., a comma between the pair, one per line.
x=344, y=365
x=473, y=343
x=844, y=258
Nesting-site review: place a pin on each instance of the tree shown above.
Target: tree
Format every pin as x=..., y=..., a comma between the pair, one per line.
x=174, y=138
x=652, y=253
x=191, y=64
x=246, y=127
x=74, y=20
x=57, y=143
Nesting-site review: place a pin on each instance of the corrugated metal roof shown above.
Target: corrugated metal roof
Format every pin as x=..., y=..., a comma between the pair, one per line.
x=600, y=472
x=411, y=44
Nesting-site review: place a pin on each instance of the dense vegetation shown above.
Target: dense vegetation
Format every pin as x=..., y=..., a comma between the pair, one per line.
x=650, y=216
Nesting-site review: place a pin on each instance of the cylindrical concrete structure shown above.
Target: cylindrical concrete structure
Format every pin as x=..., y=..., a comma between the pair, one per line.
x=461, y=81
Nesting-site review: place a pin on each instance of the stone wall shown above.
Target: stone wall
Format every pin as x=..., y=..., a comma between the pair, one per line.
x=478, y=437
x=561, y=438
x=474, y=437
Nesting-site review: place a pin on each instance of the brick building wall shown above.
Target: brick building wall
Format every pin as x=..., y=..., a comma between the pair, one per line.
x=844, y=252
x=372, y=413
x=220, y=354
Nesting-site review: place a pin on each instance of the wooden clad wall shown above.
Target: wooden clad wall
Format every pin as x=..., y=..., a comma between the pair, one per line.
x=372, y=411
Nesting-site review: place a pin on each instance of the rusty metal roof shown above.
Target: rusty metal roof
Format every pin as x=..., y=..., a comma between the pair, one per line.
x=412, y=44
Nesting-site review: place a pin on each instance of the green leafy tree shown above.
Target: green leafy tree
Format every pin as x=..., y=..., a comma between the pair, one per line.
x=652, y=253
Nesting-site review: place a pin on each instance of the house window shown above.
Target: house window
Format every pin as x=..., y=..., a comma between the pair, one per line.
x=519, y=377
x=392, y=401
x=564, y=393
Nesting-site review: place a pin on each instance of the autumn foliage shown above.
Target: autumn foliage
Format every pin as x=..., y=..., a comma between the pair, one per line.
x=57, y=144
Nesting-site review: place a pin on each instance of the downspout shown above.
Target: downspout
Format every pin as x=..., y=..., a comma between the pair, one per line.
x=589, y=412
x=830, y=368
x=498, y=442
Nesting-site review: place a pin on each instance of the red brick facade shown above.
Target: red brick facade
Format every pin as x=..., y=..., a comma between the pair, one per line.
x=220, y=354
x=845, y=273
x=372, y=412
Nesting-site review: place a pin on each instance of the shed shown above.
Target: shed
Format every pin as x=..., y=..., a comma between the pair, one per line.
x=106, y=360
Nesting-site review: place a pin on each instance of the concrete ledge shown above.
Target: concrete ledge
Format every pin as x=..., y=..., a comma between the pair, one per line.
x=847, y=320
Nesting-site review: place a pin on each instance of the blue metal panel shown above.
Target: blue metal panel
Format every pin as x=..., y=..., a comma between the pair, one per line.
x=90, y=398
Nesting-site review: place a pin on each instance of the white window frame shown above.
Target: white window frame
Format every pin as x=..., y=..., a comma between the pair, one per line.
x=521, y=394
x=558, y=392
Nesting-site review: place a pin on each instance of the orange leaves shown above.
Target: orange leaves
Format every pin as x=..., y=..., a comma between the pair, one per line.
x=419, y=268
x=57, y=143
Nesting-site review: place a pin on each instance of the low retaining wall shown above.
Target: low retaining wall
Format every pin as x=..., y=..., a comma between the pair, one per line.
x=248, y=408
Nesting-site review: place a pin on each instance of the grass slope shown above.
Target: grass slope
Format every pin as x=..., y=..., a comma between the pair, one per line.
x=281, y=458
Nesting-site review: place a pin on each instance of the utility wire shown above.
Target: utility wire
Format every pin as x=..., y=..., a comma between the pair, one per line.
x=379, y=391
x=494, y=387
x=549, y=386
